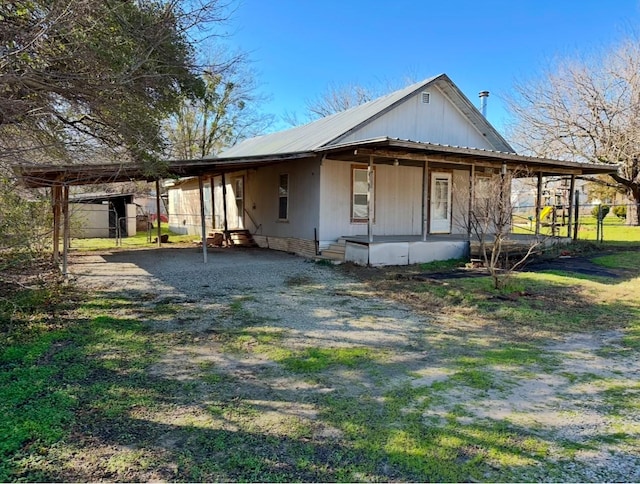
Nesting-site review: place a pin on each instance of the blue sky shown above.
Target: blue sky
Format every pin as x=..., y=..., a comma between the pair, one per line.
x=299, y=47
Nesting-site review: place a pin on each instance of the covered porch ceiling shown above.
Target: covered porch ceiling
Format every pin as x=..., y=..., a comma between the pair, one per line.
x=380, y=150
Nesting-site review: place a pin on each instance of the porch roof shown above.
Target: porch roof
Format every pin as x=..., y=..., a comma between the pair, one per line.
x=406, y=151
x=383, y=150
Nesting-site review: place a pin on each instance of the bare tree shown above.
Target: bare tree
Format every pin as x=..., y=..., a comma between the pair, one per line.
x=587, y=109
x=490, y=223
x=340, y=97
x=337, y=98
x=222, y=115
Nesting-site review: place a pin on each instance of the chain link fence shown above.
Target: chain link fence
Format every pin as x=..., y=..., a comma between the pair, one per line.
x=590, y=221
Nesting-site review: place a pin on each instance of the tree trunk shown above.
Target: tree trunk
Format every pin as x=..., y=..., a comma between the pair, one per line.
x=633, y=208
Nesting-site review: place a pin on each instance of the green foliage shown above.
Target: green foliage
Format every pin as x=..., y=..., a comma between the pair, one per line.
x=600, y=211
x=620, y=211
x=24, y=225
x=84, y=75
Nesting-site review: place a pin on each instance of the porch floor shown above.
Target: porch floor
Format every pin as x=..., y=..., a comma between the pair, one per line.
x=379, y=239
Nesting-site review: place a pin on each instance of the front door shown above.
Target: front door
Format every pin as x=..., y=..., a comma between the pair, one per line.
x=238, y=192
x=440, y=212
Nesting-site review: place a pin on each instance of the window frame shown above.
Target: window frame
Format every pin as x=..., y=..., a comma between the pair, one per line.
x=286, y=196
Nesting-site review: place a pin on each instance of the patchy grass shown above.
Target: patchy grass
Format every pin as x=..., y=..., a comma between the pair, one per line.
x=313, y=360
x=531, y=302
x=84, y=398
x=440, y=265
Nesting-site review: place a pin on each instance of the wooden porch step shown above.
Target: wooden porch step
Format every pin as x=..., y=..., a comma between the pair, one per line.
x=241, y=238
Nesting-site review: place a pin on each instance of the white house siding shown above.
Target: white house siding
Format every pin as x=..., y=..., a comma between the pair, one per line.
x=261, y=199
x=439, y=121
x=260, y=205
x=184, y=208
x=398, y=201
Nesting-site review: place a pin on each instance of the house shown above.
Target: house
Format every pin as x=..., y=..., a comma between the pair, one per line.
x=388, y=182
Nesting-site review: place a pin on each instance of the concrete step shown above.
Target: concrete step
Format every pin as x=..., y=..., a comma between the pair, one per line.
x=334, y=252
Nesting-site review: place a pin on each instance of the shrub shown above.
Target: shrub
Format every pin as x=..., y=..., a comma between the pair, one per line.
x=604, y=210
x=620, y=211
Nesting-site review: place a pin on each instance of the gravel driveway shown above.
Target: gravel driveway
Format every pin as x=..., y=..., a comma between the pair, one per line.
x=318, y=306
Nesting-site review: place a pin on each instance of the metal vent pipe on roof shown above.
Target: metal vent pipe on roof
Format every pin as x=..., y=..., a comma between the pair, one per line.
x=483, y=102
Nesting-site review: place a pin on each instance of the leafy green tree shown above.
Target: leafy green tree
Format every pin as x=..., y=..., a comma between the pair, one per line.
x=86, y=81
x=82, y=80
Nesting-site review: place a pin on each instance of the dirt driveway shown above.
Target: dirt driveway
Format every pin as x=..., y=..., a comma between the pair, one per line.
x=561, y=398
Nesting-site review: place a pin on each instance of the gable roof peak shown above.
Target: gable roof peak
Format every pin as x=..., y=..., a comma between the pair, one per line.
x=331, y=129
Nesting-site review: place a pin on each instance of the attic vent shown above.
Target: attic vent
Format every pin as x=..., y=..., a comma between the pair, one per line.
x=426, y=97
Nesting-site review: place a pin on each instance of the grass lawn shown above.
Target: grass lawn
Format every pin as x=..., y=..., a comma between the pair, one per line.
x=140, y=240
x=615, y=230
x=83, y=399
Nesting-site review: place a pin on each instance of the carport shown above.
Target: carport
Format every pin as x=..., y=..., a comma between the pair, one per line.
x=58, y=179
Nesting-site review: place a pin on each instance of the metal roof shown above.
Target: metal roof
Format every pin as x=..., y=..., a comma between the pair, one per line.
x=380, y=148
x=330, y=129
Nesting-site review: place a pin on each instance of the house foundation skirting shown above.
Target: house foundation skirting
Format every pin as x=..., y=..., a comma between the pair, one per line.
x=301, y=247
x=404, y=252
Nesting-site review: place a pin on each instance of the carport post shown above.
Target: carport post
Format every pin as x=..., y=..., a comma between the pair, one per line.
x=55, y=200
x=158, y=211
x=203, y=222
x=65, y=231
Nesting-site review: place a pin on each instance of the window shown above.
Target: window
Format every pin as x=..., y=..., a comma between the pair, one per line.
x=283, y=197
x=360, y=194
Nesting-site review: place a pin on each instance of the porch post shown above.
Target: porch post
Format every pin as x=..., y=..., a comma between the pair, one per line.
x=572, y=186
x=370, y=198
x=538, y=202
x=425, y=208
x=203, y=222
x=65, y=231
x=224, y=207
x=55, y=200
x=158, y=211
x=472, y=194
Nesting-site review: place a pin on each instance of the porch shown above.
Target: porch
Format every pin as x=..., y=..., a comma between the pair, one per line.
x=416, y=249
